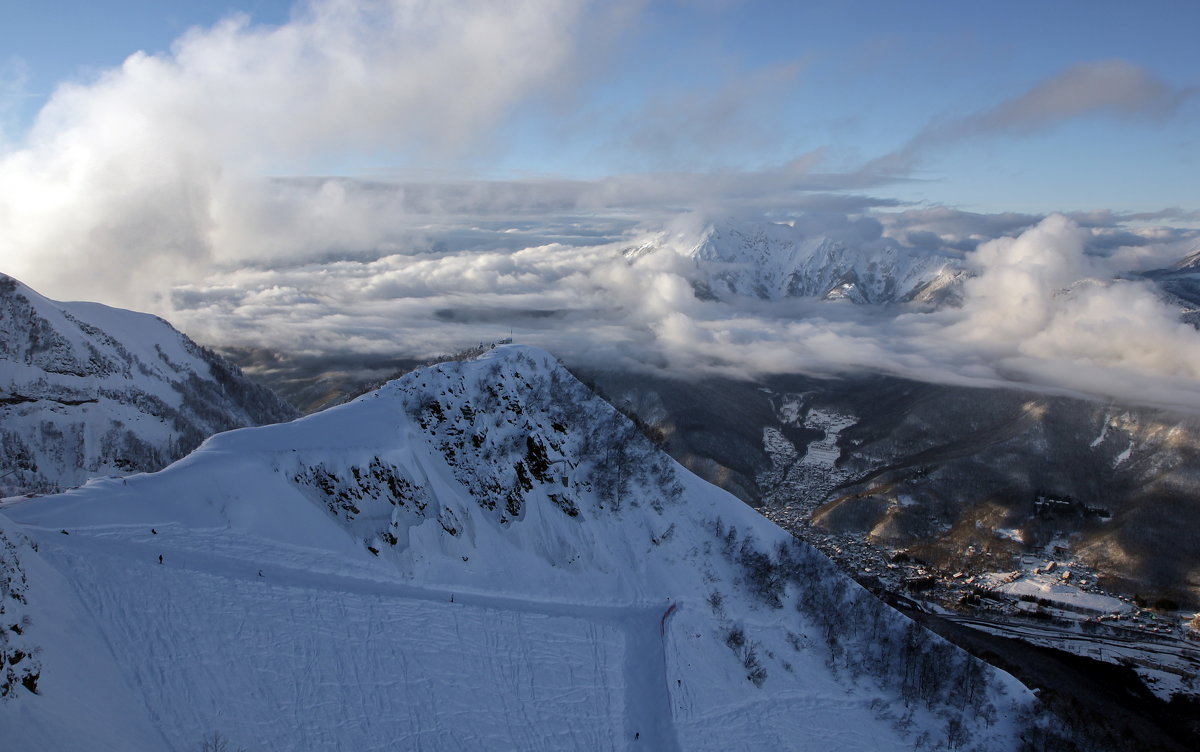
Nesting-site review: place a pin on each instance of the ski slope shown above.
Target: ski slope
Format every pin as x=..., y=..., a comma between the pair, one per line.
x=406, y=571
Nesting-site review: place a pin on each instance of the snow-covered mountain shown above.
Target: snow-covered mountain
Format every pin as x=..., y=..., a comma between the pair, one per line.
x=772, y=261
x=88, y=390
x=479, y=555
x=1180, y=285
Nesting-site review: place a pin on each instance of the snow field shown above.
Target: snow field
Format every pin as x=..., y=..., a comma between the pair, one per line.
x=1051, y=588
x=381, y=667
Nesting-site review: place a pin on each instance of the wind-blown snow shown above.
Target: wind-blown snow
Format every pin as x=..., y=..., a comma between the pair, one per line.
x=479, y=555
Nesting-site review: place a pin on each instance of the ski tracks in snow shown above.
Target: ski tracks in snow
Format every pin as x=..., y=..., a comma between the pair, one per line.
x=389, y=664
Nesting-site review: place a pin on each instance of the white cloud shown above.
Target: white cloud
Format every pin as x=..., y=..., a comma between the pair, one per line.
x=1013, y=296
x=1043, y=311
x=147, y=173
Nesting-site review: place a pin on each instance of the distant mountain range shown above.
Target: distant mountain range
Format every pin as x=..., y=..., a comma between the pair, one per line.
x=88, y=390
x=777, y=261
x=773, y=261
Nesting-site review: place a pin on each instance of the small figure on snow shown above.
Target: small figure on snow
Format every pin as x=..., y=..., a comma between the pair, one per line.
x=160, y=558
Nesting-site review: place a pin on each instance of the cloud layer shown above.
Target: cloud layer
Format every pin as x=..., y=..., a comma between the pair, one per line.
x=1039, y=312
x=154, y=168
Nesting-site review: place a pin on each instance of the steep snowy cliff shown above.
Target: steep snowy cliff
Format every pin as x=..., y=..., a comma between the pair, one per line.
x=89, y=390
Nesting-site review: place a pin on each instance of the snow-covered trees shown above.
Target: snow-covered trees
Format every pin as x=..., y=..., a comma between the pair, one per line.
x=862, y=636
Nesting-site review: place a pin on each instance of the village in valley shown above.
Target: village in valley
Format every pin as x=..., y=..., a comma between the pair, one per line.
x=1045, y=595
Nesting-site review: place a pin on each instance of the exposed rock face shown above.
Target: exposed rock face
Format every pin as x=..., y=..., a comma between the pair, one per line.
x=89, y=390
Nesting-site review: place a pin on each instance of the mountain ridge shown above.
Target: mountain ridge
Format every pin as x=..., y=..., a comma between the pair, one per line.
x=774, y=261
x=86, y=390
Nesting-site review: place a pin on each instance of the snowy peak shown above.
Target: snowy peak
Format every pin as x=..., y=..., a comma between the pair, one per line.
x=510, y=448
x=1189, y=262
x=773, y=261
x=85, y=339
x=508, y=460
x=86, y=389
x=502, y=560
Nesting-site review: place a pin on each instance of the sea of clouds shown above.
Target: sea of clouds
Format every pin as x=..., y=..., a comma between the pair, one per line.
x=1039, y=309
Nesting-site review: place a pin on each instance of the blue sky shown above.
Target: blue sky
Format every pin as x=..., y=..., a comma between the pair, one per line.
x=725, y=85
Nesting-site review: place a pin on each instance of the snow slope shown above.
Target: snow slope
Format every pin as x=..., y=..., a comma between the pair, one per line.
x=479, y=555
x=89, y=390
x=774, y=261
